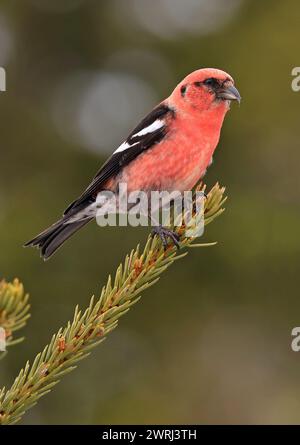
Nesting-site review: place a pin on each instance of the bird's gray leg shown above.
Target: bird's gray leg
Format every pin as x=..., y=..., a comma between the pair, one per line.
x=162, y=232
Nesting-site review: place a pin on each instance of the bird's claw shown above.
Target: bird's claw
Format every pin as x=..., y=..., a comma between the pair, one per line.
x=164, y=234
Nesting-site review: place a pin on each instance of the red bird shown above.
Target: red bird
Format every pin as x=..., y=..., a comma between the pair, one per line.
x=170, y=149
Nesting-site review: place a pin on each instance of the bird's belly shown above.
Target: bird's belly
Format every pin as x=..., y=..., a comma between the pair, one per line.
x=168, y=167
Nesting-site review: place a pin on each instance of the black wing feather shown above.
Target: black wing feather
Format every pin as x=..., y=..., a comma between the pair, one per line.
x=118, y=160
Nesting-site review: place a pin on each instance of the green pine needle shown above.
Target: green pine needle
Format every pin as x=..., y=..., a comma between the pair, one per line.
x=14, y=314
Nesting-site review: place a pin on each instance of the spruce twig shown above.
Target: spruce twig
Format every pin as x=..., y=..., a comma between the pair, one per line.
x=88, y=328
x=14, y=314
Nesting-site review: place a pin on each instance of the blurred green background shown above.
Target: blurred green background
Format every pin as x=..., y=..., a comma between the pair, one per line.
x=211, y=342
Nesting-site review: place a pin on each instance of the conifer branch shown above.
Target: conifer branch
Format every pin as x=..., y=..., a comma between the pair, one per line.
x=88, y=328
x=14, y=314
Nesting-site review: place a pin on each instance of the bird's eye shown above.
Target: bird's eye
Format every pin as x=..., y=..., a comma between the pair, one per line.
x=183, y=90
x=211, y=82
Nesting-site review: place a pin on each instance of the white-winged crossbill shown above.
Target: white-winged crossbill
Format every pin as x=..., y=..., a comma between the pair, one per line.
x=170, y=149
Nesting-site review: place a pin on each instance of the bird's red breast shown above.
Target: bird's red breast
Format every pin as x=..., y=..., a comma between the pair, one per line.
x=182, y=157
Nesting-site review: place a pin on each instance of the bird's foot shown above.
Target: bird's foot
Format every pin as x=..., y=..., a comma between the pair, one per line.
x=164, y=234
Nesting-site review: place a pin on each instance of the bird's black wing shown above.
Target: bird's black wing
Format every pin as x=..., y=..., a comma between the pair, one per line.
x=151, y=130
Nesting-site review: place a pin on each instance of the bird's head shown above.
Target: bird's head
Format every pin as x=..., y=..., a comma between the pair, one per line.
x=205, y=89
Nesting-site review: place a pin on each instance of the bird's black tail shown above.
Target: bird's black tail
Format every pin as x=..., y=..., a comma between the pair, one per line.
x=53, y=237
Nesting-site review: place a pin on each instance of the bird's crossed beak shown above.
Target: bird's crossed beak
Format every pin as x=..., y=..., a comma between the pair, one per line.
x=229, y=93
